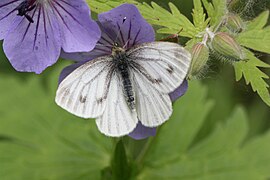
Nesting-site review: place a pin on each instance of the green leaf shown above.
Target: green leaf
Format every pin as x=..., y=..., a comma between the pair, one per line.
x=199, y=16
x=209, y=8
x=170, y=22
x=253, y=75
x=42, y=141
x=256, y=36
x=99, y=6
x=221, y=155
x=215, y=10
x=259, y=22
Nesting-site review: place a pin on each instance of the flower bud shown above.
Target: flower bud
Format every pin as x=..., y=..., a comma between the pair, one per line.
x=233, y=4
x=200, y=55
x=234, y=23
x=226, y=46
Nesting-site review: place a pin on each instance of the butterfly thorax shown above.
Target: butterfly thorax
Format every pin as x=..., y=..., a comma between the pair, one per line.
x=122, y=65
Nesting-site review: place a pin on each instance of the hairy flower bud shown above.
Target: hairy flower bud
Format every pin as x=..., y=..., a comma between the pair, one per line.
x=234, y=23
x=200, y=55
x=226, y=46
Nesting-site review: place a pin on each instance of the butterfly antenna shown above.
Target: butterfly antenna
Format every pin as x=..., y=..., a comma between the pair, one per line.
x=126, y=44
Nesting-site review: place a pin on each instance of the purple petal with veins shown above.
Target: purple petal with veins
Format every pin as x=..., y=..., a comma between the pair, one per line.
x=35, y=31
x=123, y=25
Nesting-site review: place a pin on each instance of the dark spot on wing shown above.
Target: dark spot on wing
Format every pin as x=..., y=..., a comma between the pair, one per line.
x=82, y=99
x=100, y=100
x=66, y=91
x=158, y=81
x=170, y=69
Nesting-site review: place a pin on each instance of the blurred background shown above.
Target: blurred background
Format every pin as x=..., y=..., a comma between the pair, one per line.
x=27, y=111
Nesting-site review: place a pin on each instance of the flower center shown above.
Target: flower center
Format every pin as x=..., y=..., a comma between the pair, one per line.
x=25, y=7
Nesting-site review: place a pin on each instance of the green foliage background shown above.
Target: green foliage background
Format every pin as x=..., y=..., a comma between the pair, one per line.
x=219, y=129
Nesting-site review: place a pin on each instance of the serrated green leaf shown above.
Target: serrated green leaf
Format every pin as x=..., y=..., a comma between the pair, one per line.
x=258, y=40
x=199, y=16
x=44, y=141
x=175, y=11
x=253, y=75
x=209, y=8
x=215, y=10
x=259, y=22
x=172, y=22
x=222, y=155
x=256, y=36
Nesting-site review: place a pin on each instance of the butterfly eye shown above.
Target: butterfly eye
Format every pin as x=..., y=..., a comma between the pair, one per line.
x=115, y=44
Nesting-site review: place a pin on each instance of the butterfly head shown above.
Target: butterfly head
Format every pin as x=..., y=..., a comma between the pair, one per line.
x=117, y=49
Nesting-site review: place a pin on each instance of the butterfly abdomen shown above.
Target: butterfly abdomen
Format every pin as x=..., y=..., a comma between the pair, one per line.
x=127, y=85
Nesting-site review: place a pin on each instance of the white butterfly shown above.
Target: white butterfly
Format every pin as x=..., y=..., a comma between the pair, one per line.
x=126, y=87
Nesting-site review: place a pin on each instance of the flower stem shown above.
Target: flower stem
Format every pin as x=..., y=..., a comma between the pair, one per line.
x=146, y=147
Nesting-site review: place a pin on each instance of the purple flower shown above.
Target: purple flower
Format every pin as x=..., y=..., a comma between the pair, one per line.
x=126, y=33
x=34, y=31
x=180, y=91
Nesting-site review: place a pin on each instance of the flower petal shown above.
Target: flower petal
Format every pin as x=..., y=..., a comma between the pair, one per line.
x=126, y=24
x=103, y=48
x=142, y=132
x=32, y=47
x=98, y=51
x=180, y=91
x=134, y=28
x=79, y=32
x=7, y=11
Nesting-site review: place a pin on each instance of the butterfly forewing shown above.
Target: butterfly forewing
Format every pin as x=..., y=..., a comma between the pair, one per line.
x=164, y=64
x=84, y=92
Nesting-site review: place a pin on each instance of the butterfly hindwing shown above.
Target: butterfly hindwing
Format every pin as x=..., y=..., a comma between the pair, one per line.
x=164, y=64
x=117, y=119
x=84, y=91
x=153, y=107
